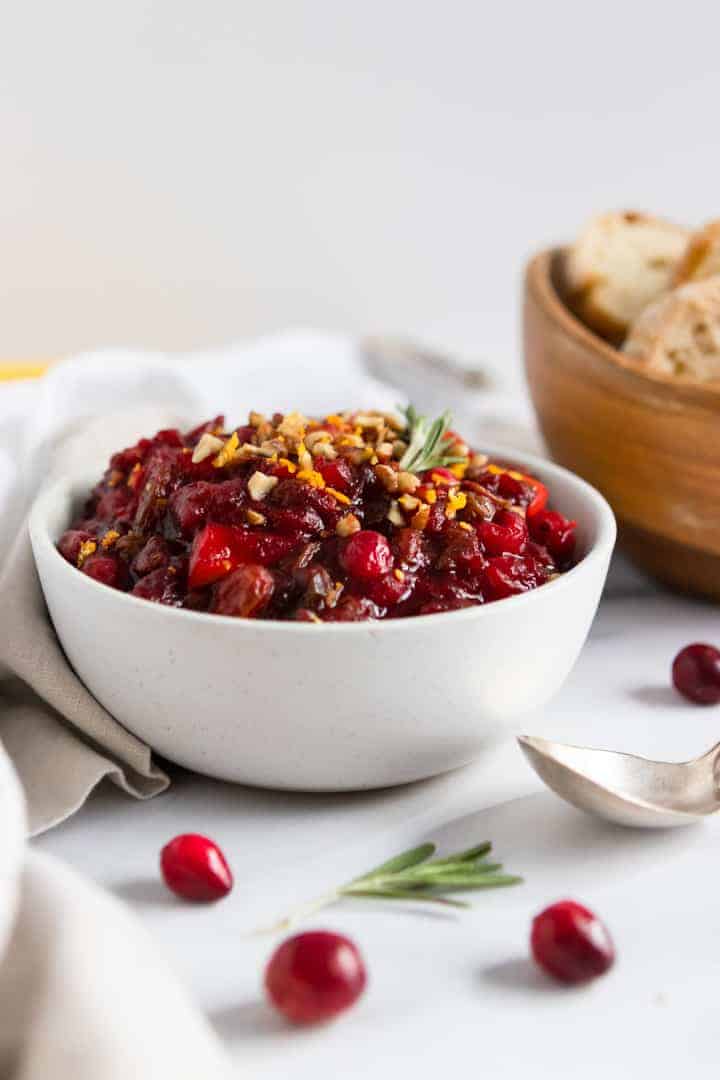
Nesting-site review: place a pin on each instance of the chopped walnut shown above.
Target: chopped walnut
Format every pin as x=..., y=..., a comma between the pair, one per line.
x=408, y=483
x=208, y=445
x=395, y=514
x=254, y=518
x=260, y=485
x=409, y=502
x=347, y=525
x=326, y=451
x=293, y=425
x=387, y=476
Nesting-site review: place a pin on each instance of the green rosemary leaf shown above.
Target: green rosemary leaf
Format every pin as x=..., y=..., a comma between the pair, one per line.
x=405, y=894
x=415, y=875
x=424, y=438
x=400, y=862
x=465, y=856
x=454, y=882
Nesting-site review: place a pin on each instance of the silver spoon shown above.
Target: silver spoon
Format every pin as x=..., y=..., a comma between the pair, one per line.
x=626, y=789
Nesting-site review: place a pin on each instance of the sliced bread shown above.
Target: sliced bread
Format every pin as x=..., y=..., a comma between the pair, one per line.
x=620, y=263
x=679, y=334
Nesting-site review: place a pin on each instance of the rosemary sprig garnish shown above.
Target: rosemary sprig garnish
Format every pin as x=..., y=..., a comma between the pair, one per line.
x=427, y=447
x=415, y=875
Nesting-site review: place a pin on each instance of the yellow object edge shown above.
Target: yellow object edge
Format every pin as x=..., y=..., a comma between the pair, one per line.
x=10, y=370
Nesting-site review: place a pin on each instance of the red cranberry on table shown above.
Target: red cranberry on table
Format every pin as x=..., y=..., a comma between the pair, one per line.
x=314, y=976
x=696, y=673
x=194, y=868
x=570, y=943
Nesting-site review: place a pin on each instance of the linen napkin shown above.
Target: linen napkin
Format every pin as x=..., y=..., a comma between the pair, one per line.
x=84, y=993
x=61, y=740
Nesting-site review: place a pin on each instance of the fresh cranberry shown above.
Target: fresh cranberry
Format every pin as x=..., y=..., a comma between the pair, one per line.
x=105, y=569
x=389, y=590
x=195, y=868
x=336, y=474
x=507, y=575
x=70, y=543
x=367, y=555
x=570, y=943
x=314, y=976
x=244, y=593
x=506, y=534
x=160, y=586
x=555, y=532
x=696, y=673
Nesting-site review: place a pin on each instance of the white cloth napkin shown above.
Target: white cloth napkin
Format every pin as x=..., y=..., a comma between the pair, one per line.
x=84, y=994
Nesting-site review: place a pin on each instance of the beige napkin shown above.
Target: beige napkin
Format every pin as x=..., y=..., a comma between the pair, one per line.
x=61, y=740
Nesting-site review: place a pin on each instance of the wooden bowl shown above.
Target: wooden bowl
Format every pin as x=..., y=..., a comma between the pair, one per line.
x=650, y=443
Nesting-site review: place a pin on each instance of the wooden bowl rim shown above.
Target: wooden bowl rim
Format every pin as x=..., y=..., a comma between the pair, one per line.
x=539, y=281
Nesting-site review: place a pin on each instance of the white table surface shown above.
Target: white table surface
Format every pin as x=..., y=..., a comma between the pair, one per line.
x=455, y=994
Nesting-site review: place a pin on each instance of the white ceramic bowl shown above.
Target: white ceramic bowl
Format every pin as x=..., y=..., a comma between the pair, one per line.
x=325, y=707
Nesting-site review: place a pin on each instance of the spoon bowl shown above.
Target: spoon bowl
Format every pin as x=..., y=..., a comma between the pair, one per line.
x=627, y=789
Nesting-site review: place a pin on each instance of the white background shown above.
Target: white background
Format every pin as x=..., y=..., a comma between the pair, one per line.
x=176, y=173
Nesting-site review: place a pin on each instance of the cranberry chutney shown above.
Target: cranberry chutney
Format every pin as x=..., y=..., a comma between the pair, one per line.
x=351, y=517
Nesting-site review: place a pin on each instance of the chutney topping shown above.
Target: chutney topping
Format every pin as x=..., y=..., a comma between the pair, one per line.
x=318, y=520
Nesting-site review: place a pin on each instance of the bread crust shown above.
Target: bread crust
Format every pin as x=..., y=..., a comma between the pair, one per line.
x=679, y=334
x=702, y=256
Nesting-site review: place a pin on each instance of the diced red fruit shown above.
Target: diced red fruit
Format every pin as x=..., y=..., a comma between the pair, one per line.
x=462, y=552
x=508, y=575
x=388, y=590
x=696, y=673
x=570, y=943
x=440, y=475
x=70, y=543
x=367, y=555
x=194, y=868
x=116, y=504
x=210, y=426
x=125, y=460
x=554, y=532
x=218, y=549
x=506, y=534
x=160, y=586
x=169, y=437
x=412, y=549
x=105, y=569
x=336, y=474
x=152, y=556
x=352, y=609
x=314, y=976
x=303, y=521
x=297, y=494
x=244, y=593
x=191, y=505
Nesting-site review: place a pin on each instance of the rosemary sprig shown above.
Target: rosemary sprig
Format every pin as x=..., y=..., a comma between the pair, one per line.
x=427, y=447
x=415, y=875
